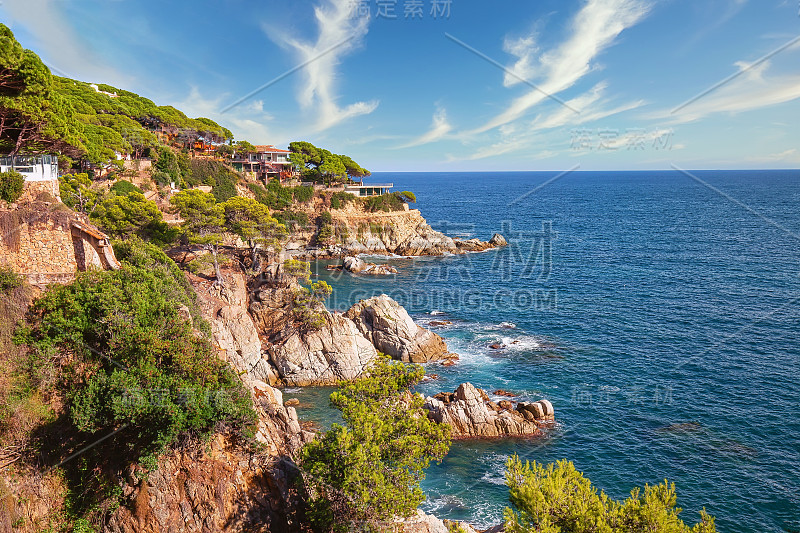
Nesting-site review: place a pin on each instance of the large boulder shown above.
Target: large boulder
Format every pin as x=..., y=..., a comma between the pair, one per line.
x=236, y=337
x=498, y=240
x=335, y=352
x=356, y=265
x=387, y=325
x=470, y=414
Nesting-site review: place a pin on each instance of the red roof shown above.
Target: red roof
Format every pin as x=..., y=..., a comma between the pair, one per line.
x=269, y=148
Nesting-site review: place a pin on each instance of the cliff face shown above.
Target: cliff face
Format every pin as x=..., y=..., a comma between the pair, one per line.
x=403, y=232
x=221, y=487
x=226, y=485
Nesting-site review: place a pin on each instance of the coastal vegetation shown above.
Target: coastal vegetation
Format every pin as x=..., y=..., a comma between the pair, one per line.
x=130, y=357
x=367, y=471
x=558, y=498
x=321, y=165
x=120, y=365
x=12, y=184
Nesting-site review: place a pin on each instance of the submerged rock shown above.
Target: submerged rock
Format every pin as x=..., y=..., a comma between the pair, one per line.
x=470, y=414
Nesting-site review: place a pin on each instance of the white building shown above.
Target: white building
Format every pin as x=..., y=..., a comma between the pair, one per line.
x=32, y=167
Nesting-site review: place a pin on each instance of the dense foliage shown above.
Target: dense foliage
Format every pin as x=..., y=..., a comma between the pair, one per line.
x=129, y=358
x=321, y=165
x=41, y=112
x=206, y=221
x=368, y=470
x=33, y=114
x=392, y=201
x=123, y=215
x=558, y=499
x=307, y=307
x=12, y=183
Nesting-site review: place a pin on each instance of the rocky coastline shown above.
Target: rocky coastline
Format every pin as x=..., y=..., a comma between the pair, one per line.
x=254, y=329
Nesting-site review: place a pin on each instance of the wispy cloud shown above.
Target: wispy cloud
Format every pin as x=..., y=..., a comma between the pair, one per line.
x=593, y=105
x=524, y=48
x=339, y=33
x=593, y=29
x=248, y=121
x=439, y=128
x=790, y=156
x=753, y=89
x=59, y=46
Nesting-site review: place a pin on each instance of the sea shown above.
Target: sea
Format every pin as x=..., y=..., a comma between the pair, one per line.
x=659, y=311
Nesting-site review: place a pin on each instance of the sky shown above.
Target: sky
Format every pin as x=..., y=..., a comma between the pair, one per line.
x=455, y=85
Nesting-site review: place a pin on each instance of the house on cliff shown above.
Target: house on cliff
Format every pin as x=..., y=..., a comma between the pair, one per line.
x=40, y=237
x=266, y=163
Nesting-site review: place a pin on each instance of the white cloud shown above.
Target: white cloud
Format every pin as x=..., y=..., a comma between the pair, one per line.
x=248, y=122
x=589, y=103
x=524, y=48
x=59, y=47
x=594, y=28
x=339, y=33
x=753, y=89
x=439, y=128
x=790, y=156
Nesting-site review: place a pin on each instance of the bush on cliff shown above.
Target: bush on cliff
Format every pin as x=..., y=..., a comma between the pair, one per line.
x=307, y=306
x=392, y=201
x=557, y=498
x=128, y=359
x=12, y=184
x=369, y=469
x=124, y=215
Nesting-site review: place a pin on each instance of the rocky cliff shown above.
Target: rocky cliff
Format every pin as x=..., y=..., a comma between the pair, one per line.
x=403, y=232
x=387, y=325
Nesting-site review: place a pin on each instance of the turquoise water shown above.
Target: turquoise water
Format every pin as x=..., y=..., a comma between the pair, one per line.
x=660, y=316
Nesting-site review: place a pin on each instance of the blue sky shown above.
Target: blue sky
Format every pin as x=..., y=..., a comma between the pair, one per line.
x=503, y=85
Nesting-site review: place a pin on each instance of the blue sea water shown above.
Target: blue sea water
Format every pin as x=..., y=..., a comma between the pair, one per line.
x=659, y=313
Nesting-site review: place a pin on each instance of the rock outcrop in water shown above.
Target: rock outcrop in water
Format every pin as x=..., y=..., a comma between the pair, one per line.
x=388, y=326
x=342, y=348
x=403, y=232
x=335, y=352
x=356, y=265
x=471, y=414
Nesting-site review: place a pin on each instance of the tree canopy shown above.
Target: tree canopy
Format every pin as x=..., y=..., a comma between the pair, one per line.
x=40, y=112
x=319, y=164
x=369, y=469
x=557, y=498
x=33, y=114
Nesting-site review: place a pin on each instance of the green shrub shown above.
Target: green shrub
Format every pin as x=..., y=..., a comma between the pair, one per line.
x=325, y=233
x=392, y=201
x=225, y=187
x=136, y=362
x=9, y=280
x=326, y=217
x=303, y=194
x=132, y=214
x=407, y=197
x=12, y=183
x=275, y=196
x=292, y=219
x=369, y=469
x=341, y=199
x=123, y=187
x=557, y=498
